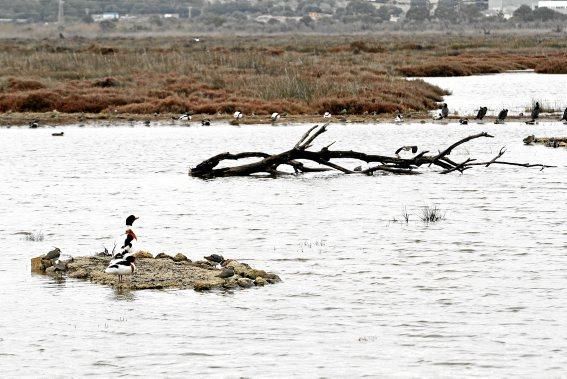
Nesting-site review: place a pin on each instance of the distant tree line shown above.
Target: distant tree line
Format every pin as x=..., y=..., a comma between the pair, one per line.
x=327, y=13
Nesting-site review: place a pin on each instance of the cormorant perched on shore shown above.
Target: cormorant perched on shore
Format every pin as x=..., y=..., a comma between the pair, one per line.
x=535, y=114
x=564, y=118
x=501, y=116
x=444, y=111
x=481, y=113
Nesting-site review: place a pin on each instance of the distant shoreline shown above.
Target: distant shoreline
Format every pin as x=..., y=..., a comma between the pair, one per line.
x=51, y=119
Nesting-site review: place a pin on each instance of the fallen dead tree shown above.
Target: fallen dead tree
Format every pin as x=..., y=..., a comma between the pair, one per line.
x=269, y=164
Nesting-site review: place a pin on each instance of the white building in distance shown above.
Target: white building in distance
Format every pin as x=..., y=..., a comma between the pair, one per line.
x=556, y=5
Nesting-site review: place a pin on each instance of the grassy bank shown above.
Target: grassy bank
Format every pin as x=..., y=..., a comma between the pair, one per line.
x=299, y=75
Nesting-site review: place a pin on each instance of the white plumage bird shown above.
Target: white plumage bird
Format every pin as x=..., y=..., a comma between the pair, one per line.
x=327, y=115
x=275, y=116
x=122, y=267
x=185, y=117
x=238, y=115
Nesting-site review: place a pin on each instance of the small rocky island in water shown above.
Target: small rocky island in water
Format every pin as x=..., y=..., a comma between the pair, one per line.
x=163, y=271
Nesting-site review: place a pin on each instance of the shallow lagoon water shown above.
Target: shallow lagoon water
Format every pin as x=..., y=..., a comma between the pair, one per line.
x=480, y=293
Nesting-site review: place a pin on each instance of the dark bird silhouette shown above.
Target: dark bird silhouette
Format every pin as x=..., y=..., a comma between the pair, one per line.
x=60, y=134
x=215, y=258
x=206, y=122
x=564, y=118
x=444, y=111
x=464, y=121
x=536, y=111
x=481, y=113
x=501, y=116
x=53, y=254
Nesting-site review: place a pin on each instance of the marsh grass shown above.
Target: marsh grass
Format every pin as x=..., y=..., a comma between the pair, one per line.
x=431, y=214
x=545, y=106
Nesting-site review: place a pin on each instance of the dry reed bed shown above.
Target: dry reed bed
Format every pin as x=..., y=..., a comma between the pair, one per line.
x=297, y=75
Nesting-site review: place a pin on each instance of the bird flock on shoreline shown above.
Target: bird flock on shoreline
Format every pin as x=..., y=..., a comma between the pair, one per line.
x=237, y=116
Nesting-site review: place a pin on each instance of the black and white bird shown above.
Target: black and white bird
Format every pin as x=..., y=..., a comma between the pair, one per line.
x=399, y=117
x=185, y=117
x=413, y=149
x=464, y=121
x=130, y=237
x=481, y=113
x=122, y=267
x=238, y=115
x=327, y=115
x=564, y=118
x=206, y=122
x=501, y=116
x=275, y=117
x=34, y=124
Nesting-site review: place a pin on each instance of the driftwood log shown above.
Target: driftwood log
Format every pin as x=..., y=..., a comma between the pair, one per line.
x=269, y=164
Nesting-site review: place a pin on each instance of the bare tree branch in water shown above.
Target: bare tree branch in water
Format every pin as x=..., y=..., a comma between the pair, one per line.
x=269, y=164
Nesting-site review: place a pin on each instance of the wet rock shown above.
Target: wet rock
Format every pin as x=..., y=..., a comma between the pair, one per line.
x=164, y=256
x=143, y=254
x=273, y=278
x=205, y=285
x=245, y=282
x=230, y=284
x=226, y=273
x=180, y=258
x=260, y=281
x=79, y=274
x=37, y=265
x=244, y=270
x=204, y=265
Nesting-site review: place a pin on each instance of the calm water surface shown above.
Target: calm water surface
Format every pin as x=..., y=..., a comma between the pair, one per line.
x=479, y=294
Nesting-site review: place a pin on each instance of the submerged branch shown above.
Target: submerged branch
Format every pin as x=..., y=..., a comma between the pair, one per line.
x=269, y=164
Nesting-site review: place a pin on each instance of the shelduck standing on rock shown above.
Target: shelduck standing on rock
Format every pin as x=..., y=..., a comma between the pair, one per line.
x=130, y=237
x=122, y=267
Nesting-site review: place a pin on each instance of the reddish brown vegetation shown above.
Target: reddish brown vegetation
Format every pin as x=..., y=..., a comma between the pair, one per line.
x=261, y=75
x=555, y=66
